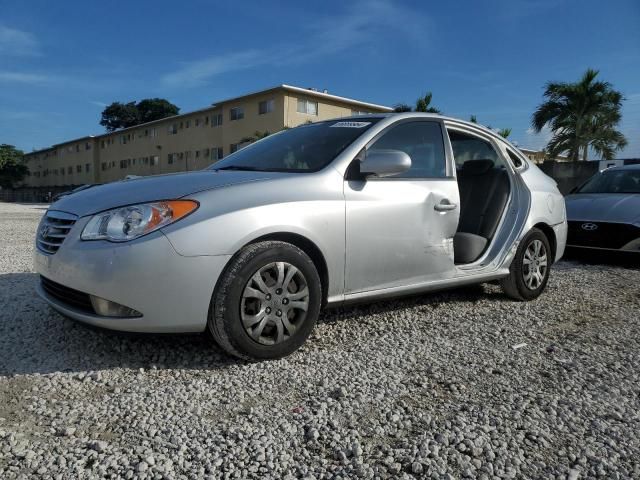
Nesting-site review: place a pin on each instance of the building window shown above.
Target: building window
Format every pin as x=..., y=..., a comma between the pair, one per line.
x=87, y=146
x=266, y=106
x=216, y=120
x=155, y=160
x=87, y=167
x=78, y=148
x=307, y=106
x=104, y=166
x=219, y=153
x=236, y=113
x=187, y=124
x=101, y=143
x=359, y=112
x=206, y=119
x=170, y=158
x=197, y=153
x=173, y=129
x=78, y=168
x=233, y=147
x=69, y=170
x=196, y=122
x=123, y=139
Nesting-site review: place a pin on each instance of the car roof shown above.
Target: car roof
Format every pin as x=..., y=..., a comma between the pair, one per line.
x=436, y=116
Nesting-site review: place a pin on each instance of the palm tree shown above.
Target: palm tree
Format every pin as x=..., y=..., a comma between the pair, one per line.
x=423, y=104
x=581, y=115
x=503, y=132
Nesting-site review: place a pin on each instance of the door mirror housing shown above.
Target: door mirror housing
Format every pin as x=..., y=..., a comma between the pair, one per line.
x=384, y=163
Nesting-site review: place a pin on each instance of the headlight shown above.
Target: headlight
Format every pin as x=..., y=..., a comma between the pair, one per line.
x=126, y=223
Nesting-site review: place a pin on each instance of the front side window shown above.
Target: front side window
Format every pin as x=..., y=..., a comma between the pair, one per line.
x=306, y=148
x=307, y=106
x=613, y=181
x=422, y=141
x=236, y=113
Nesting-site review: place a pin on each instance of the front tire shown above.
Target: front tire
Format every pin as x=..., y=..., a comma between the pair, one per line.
x=529, y=270
x=267, y=301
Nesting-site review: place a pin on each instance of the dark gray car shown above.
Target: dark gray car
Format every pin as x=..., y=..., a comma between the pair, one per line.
x=604, y=213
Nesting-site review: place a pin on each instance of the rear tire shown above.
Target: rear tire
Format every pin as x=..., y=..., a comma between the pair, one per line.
x=529, y=270
x=266, y=303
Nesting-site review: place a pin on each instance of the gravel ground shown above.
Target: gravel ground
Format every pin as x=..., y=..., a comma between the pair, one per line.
x=423, y=387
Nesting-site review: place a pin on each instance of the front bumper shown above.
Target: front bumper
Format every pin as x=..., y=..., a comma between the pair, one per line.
x=171, y=291
x=597, y=235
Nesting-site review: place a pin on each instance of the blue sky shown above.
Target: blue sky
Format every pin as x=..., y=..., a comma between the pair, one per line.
x=61, y=62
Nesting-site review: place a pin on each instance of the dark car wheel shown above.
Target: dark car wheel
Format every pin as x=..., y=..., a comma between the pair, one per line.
x=266, y=302
x=529, y=271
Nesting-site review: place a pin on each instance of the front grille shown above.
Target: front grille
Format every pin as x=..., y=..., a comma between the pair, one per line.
x=53, y=229
x=69, y=296
x=605, y=235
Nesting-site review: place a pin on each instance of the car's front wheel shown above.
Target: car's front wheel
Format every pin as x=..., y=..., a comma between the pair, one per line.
x=266, y=302
x=529, y=271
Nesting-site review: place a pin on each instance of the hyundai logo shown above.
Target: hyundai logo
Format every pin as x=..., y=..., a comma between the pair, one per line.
x=589, y=227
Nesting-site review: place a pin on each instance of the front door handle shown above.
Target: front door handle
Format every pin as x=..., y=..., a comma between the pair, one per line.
x=444, y=206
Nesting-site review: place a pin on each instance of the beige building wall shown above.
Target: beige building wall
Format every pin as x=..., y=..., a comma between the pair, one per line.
x=186, y=142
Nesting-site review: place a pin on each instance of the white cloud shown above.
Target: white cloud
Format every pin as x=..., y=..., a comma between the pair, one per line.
x=98, y=103
x=361, y=25
x=20, y=77
x=17, y=42
x=536, y=141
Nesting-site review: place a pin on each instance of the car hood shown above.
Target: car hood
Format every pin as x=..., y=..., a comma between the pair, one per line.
x=603, y=207
x=149, y=189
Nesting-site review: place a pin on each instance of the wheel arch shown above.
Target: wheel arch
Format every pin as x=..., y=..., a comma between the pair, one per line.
x=308, y=247
x=551, y=237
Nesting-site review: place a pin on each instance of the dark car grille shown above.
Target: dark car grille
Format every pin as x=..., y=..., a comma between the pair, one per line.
x=73, y=298
x=605, y=235
x=52, y=231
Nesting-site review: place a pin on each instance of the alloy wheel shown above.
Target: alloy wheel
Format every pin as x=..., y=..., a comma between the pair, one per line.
x=274, y=303
x=534, y=264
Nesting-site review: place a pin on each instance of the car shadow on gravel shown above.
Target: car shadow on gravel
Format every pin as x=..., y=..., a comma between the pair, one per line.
x=34, y=339
x=605, y=258
x=468, y=293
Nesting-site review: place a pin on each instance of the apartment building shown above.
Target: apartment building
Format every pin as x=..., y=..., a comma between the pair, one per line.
x=185, y=142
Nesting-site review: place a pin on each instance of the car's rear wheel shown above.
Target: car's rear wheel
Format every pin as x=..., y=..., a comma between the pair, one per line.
x=266, y=302
x=529, y=271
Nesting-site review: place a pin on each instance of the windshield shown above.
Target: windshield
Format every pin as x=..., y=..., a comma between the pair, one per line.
x=306, y=148
x=613, y=181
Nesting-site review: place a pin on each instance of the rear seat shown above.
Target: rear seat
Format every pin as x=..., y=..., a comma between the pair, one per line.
x=484, y=192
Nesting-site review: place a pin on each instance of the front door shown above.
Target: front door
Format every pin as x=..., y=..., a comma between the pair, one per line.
x=399, y=230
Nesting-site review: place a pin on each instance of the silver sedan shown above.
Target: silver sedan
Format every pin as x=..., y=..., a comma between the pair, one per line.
x=348, y=210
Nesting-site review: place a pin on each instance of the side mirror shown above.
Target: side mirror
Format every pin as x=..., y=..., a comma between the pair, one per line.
x=384, y=163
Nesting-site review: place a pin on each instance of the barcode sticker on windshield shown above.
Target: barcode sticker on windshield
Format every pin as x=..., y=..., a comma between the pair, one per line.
x=351, y=124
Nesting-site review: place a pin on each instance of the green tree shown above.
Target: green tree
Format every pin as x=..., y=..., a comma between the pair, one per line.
x=401, y=107
x=12, y=167
x=581, y=115
x=503, y=132
x=120, y=115
x=423, y=104
x=151, y=109
x=123, y=115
